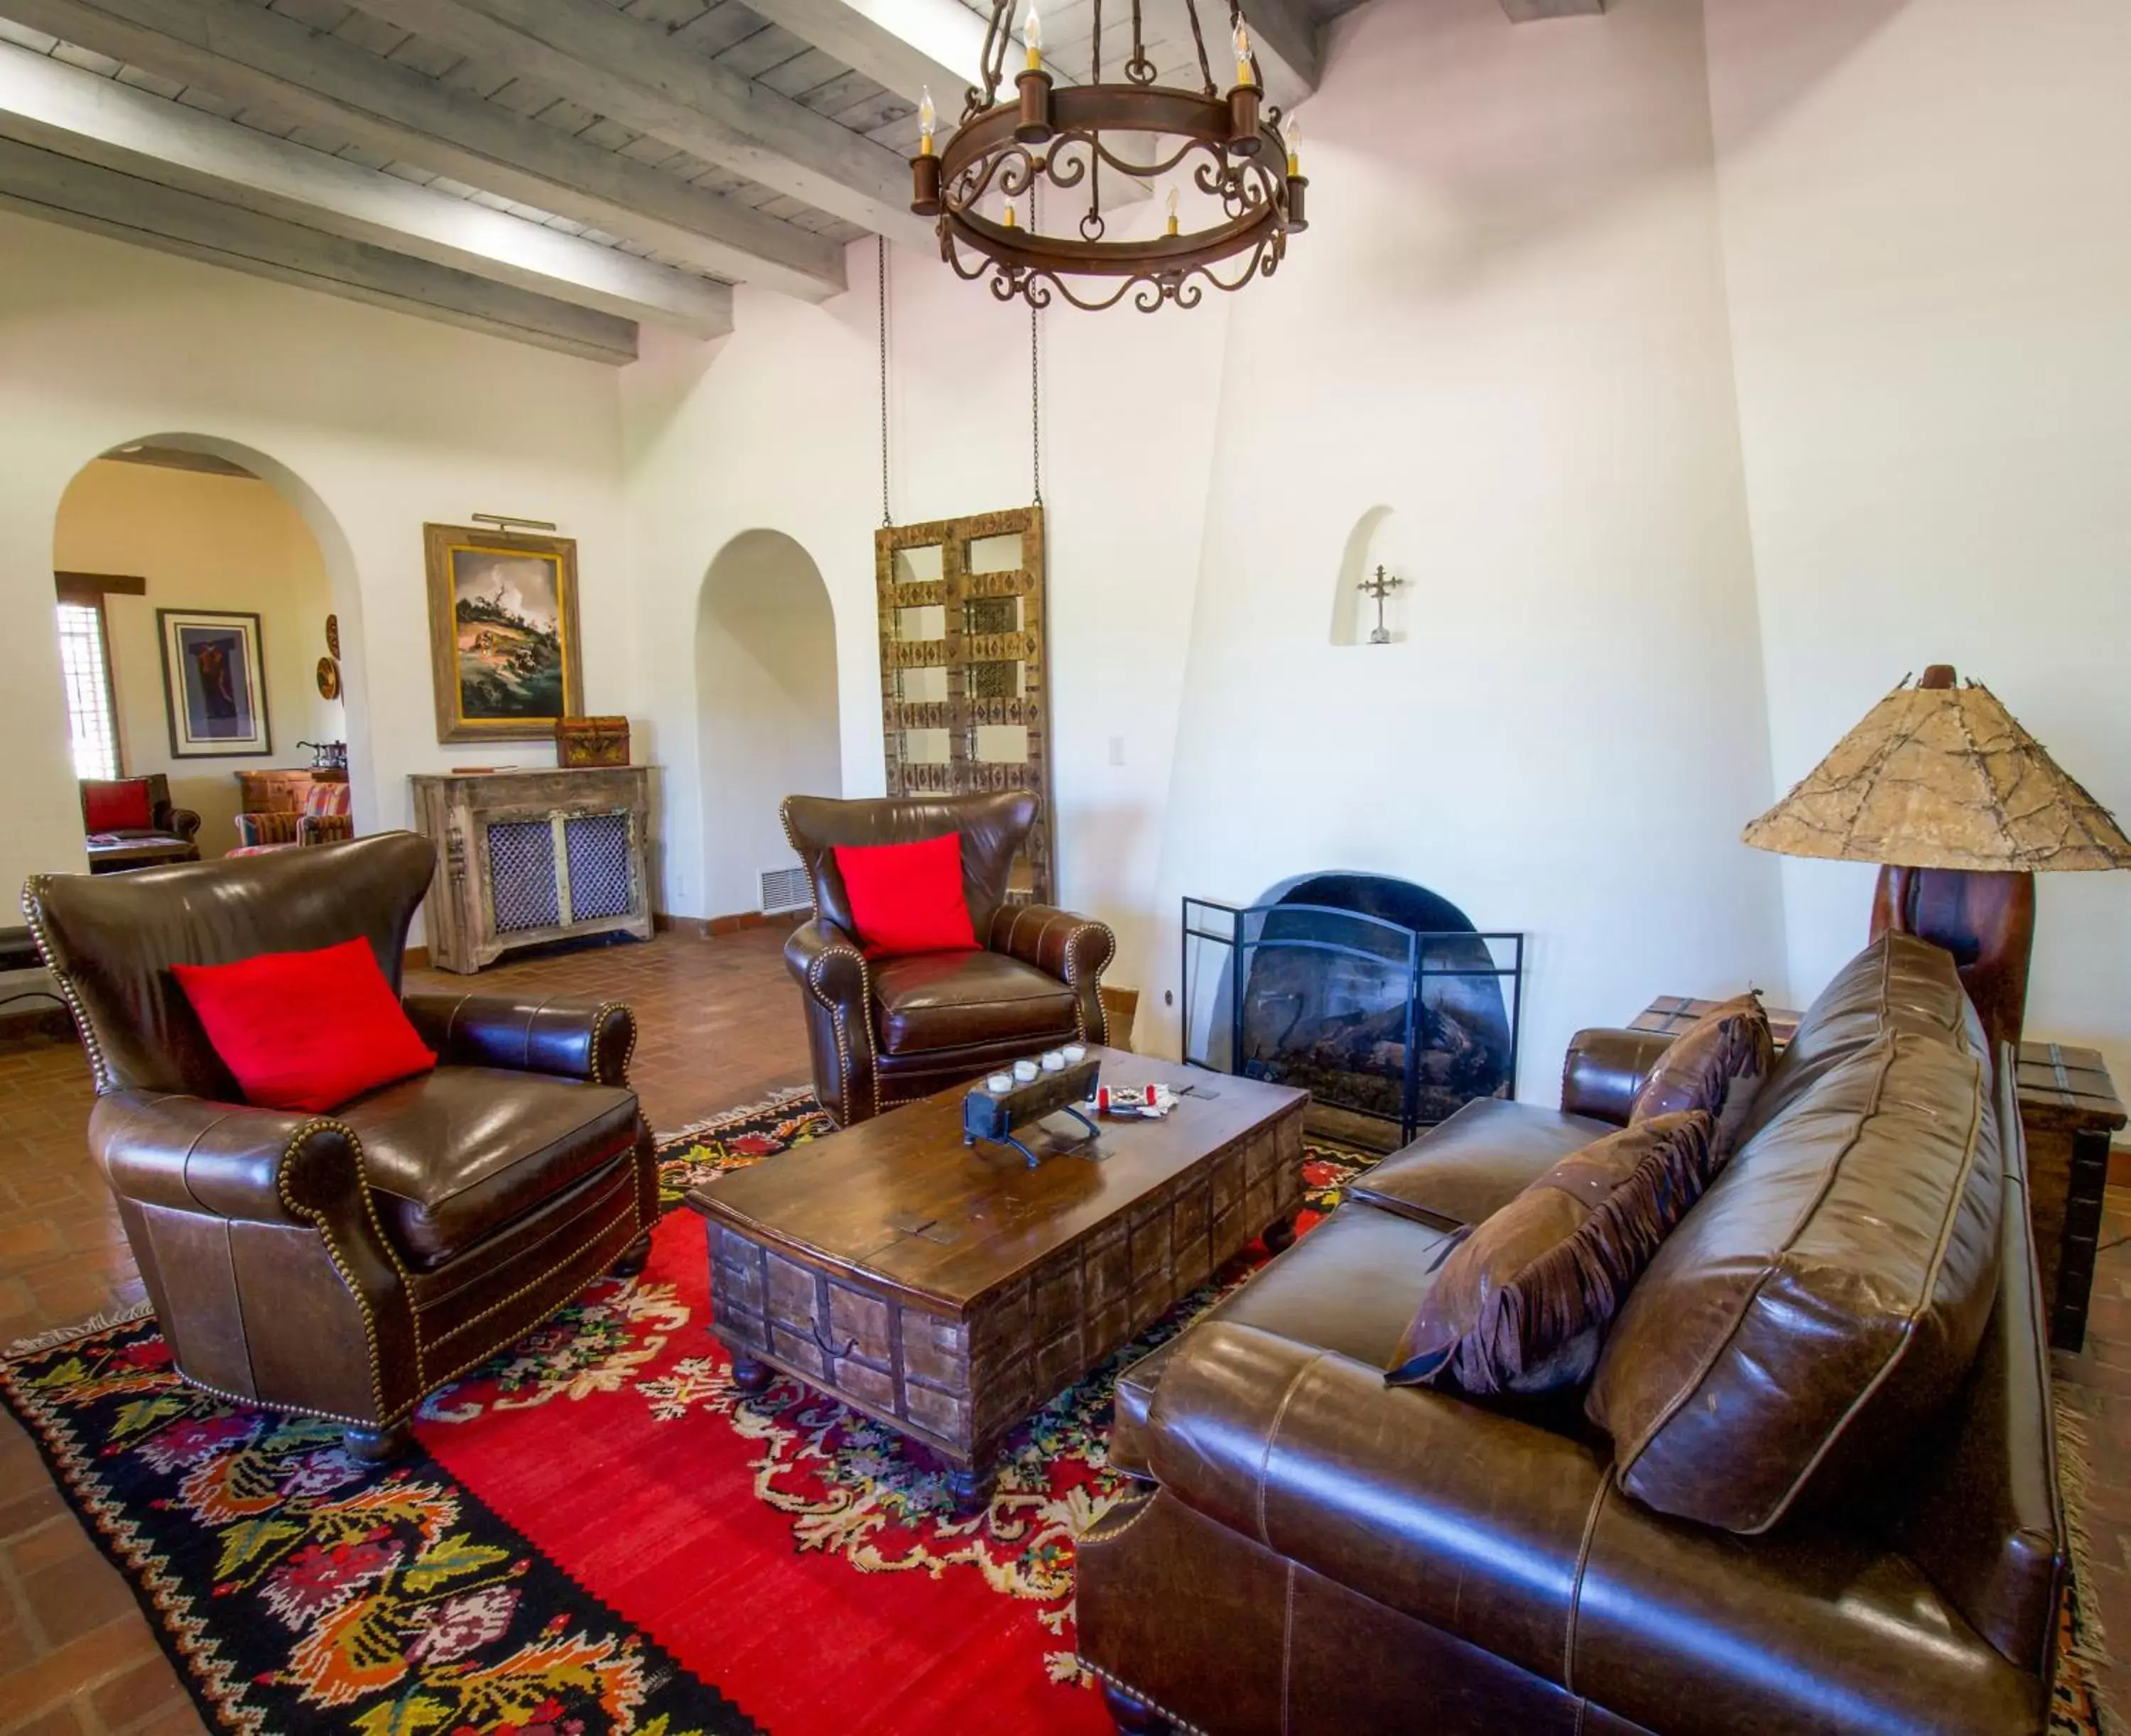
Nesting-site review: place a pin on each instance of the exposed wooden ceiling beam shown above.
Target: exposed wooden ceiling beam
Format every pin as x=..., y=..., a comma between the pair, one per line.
x=88, y=196
x=1289, y=45
x=247, y=54
x=46, y=102
x=657, y=84
x=1530, y=11
x=909, y=45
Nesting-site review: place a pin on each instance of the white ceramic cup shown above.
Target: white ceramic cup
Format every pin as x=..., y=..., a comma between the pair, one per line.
x=1024, y=1071
x=1054, y=1060
x=999, y=1083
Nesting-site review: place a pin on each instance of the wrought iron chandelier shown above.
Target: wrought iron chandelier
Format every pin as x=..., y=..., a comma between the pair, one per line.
x=1239, y=154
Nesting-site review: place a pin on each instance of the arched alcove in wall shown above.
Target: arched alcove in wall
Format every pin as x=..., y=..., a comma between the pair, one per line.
x=766, y=709
x=210, y=526
x=1376, y=540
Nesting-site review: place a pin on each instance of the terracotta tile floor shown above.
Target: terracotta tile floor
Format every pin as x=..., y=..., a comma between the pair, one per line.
x=720, y=1026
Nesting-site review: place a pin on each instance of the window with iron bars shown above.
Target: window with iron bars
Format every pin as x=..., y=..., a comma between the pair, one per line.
x=85, y=666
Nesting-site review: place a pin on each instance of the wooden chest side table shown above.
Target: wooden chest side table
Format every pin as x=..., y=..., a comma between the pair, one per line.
x=2068, y=1112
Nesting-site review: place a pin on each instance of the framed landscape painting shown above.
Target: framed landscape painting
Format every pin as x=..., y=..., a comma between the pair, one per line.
x=214, y=684
x=503, y=634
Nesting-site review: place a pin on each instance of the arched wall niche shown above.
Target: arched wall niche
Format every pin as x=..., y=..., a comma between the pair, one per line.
x=1379, y=539
x=768, y=718
x=344, y=600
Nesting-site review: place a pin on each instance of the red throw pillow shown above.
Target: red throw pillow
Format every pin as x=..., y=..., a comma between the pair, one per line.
x=907, y=897
x=306, y=1030
x=118, y=805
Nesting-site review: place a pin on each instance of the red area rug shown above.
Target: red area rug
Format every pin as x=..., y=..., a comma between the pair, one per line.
x=601, y=1534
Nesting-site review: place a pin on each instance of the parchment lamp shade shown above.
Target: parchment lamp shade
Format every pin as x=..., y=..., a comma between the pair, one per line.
x=1962, y=807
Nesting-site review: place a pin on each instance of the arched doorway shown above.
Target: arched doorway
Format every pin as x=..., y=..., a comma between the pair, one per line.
x=172, y=540
x=767, y=715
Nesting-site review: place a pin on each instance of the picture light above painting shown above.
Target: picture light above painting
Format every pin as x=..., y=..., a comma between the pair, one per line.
x=503, y=632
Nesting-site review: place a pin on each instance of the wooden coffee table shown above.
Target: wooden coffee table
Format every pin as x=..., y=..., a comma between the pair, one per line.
x=948, y=1291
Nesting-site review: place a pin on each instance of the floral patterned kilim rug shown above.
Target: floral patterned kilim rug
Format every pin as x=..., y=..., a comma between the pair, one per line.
x=601, y=1533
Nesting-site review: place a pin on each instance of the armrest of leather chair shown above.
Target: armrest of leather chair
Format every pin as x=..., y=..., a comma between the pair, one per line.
x=1458, y=1515
x=178, y=822
x=1604, y=1070
x=572, y=1040
x=832, y=973
x=1076, y=950
x=230, y=1160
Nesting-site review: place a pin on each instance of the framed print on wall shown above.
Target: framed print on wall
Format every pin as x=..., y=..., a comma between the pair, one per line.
x=503, y=632
x=214, y=683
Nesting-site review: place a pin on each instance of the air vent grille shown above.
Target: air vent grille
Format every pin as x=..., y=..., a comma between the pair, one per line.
x=785, y=889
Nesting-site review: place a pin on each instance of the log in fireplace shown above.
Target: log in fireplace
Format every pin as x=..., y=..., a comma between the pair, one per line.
x=1377, y=996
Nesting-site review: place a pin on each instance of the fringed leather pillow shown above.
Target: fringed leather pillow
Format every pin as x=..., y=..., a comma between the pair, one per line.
x=1521, y=1302
x=1716, y=1066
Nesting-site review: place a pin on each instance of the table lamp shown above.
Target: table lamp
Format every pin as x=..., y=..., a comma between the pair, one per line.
x=1962, y=808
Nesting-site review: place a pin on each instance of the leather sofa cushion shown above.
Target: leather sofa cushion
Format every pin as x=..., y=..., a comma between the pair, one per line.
x=1898, y=983
x=1717, y=1067
x=458, y=1154
x=934, y=1001
x=1467, y=1168
x=1350, y=1284
x=1822, y=1300
x=1521, y=1303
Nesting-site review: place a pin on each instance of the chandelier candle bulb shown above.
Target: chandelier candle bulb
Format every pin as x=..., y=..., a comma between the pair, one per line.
x=1172, y=210
x=1032, y=35
x=928, y=118
x=1244, y=73
x=1294, y=131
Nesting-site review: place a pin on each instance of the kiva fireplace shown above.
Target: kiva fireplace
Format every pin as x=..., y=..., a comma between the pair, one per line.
x=1377, y=996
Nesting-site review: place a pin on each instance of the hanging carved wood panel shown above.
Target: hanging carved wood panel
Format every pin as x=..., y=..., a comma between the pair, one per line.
x=965, y=695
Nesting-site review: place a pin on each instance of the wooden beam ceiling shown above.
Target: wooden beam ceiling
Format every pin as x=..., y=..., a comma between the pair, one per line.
x=46, y=102
x=657, y=82
x=88, y=196
x=254, y=57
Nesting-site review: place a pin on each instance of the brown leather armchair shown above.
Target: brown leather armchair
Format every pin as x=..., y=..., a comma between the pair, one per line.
x=346, y=1264
x=884, y=1031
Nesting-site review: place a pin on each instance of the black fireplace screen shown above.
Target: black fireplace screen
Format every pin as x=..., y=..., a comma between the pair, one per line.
x=1367, y=1012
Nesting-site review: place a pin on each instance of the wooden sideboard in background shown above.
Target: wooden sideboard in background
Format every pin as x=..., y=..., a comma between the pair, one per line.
x=526, y=857
x=279, y=790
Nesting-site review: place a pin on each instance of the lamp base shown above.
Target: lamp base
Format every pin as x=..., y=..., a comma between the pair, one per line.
x=1987, y=921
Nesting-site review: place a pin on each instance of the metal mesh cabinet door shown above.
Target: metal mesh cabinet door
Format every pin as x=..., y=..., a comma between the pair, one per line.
x=521, y=875
x=602, y=883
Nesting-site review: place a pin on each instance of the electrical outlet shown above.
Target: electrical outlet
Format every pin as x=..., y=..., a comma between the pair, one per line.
x=1117, y=750
x=680, y=886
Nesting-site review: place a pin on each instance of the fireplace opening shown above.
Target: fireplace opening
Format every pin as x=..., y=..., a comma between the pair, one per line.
x=1377, y=996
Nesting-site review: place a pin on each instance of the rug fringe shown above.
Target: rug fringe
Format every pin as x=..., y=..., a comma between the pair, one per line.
x=2089, y=1642
x=746, y=1112
x=60, y=1335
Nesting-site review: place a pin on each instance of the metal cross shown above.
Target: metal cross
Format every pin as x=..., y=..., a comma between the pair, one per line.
x=1380, y=587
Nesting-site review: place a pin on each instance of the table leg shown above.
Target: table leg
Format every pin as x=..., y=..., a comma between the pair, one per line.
x=972, y=1488
x=751, y=1376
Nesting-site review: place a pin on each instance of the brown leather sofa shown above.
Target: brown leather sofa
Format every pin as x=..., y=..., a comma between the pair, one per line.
x=884, y=1031
x=1311, y=1550
x=344, y=1264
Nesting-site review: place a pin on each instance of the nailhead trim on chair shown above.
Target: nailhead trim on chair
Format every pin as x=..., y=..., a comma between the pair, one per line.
x=33, y=908
x=317, y=1221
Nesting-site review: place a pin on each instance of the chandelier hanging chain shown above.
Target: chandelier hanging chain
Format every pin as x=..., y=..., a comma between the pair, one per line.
x=1035, y=383
x=886, y=519
x=1199, y=42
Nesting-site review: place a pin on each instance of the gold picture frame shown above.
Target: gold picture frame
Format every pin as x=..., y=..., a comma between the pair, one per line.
x=503, y=632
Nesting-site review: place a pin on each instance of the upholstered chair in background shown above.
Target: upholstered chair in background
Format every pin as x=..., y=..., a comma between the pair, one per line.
x=884, y=1030
x=343, y=1264
x=327, y=817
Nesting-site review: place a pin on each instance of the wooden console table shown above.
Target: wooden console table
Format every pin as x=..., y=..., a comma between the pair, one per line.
x=525, y=858
x=2068, y=1112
